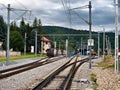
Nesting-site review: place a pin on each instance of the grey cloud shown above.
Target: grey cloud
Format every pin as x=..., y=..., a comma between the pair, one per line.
x=56, y=14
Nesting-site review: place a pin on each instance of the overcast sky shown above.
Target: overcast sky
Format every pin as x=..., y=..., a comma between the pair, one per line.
x=55, y=12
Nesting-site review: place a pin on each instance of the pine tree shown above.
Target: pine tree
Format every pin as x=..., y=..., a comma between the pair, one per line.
x=3, y=29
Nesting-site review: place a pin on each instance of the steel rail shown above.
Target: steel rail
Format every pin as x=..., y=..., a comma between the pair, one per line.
x=44, y=82
x=47, y=80
x=21, y=66
x=25, y=68
x=68, y=81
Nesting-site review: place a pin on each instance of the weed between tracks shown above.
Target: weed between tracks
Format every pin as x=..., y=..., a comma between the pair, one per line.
x=94, y=81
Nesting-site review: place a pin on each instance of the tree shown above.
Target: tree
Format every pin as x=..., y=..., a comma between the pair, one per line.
x=16, y=41
x=28, y=39
x=23, y=27
x=35, y=23
x=3, y=29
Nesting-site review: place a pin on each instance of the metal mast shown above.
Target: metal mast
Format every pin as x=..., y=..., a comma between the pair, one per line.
x=103, y=44
x=8, y=31
x=116, y=37
x=90, y=36
x=66, y=47
x=25, y=44
x=8, y=34
x=35, y=43
x=98, y=45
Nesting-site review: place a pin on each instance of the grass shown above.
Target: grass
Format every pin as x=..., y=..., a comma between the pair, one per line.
x=108, y=63
x=2, y=59
x=94, y=81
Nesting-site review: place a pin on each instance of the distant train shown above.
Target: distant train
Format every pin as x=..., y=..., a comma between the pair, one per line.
x=50, y=52
x=54, y=52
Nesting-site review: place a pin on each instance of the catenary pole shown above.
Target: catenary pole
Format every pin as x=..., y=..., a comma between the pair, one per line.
x=103, y=44
x=8, y=34
x=90, y=36
x=81, y=45
x=41, y=46
x=66, y=47
x=116, y=37
x=25, y=44
x=98, y=45
x=35, y=43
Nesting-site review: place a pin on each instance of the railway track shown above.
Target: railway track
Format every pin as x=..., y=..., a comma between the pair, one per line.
x=61, y=79
x=18, y=69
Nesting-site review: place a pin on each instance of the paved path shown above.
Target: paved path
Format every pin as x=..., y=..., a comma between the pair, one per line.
x=17, y=63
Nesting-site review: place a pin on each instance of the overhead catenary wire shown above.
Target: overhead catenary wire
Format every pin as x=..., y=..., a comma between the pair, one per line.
x=66, y=6
x=15, y=10
x=21, y=4
x=80, y=17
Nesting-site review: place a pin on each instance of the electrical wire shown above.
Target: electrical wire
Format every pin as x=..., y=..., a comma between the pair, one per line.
x=66, y=6
x=21, y=4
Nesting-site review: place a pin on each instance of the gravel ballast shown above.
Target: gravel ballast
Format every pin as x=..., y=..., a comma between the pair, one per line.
x=28, y=79
x=106, y=78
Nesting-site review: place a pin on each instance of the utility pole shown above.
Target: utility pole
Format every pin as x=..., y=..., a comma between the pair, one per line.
x=25, y=44
x=59, y=45
x=98, y=45
x=35, y=43
x=90, y=24
x=8, y=35
x=81, y=46
x=90, y=36
x=103, y=44
x=41, y=46
x=8, y=31
x=55, y=51
x=55, y=44
x=116, y=37
x=107, y=44
x=66, y=47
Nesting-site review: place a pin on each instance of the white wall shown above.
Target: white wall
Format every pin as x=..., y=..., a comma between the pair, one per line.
x=12, y=53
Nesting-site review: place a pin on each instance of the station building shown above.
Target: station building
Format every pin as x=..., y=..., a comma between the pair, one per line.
x=45, y=44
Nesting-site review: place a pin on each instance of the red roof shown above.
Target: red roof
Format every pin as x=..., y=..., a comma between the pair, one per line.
x=45, y=39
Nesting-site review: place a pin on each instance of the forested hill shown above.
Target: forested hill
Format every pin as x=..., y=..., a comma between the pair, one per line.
x=75, y=41
x=62, y=30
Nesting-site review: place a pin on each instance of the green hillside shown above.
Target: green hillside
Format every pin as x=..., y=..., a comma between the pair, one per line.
x=75, y=40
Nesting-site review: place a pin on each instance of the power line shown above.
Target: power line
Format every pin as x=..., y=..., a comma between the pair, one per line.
x=67, y=6
x=66, y=34
x=81, y=17
x=21, y=4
